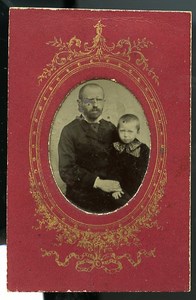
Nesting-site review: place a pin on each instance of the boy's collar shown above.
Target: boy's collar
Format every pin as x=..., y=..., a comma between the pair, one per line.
x=132, y=148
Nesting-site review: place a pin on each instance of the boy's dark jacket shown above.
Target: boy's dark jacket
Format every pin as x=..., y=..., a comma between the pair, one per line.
x=128, y=169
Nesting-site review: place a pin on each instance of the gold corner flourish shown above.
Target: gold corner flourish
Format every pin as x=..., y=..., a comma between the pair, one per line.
x=125, y=49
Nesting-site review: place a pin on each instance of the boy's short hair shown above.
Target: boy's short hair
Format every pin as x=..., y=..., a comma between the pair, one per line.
x=129, y=118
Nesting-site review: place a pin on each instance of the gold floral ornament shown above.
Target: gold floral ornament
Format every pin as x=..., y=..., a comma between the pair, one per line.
x=99, y=245
x=99, y=50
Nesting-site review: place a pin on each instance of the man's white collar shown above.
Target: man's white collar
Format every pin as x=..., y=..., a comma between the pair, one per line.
x=97, y=121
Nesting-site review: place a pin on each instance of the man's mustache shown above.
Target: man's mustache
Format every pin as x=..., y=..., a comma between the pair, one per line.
x=96, y=109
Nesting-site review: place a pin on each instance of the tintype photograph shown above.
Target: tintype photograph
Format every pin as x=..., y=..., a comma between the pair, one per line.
x=99, y=146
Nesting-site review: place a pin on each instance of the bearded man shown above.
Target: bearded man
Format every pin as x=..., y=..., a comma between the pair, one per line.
x=84, y=150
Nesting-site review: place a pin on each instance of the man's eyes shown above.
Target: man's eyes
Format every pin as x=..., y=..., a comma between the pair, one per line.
x=92, y=100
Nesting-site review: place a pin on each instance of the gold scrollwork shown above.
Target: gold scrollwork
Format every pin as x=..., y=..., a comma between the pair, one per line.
x=87, y=239
x=97, y=243
x=110, y=262
x=124, y=48
x=90, y=240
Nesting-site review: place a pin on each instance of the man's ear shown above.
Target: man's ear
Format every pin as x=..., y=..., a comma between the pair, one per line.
x=80, y=105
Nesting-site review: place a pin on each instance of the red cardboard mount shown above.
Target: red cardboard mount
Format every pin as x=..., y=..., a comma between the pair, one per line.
x=142, y=60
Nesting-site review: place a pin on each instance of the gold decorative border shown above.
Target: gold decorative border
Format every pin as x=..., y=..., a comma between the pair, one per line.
x=109, y=262
x=74, y=49
x=97, y=240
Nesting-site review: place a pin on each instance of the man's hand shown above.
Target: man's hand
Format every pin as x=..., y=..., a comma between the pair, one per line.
x=117, y=195
x=108, y=186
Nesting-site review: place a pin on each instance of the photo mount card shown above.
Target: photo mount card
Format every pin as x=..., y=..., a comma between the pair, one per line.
x=78, y=80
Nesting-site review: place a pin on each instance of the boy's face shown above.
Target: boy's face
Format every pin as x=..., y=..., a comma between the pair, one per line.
x=128, y=131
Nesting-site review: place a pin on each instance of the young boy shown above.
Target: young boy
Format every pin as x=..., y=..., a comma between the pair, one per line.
x=129, y=157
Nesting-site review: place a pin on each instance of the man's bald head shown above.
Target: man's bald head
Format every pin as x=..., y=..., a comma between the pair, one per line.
x=91, y=101
x=87, y=87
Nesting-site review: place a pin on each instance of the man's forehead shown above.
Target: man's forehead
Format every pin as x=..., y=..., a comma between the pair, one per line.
x=92, y=90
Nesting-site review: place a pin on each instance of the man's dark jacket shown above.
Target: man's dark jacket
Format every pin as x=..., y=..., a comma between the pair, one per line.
x=84, y=156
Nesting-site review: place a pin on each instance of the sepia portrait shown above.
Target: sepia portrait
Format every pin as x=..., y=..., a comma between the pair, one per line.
x=99, y=146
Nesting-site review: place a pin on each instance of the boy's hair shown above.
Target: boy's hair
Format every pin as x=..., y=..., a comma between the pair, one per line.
x=129, y=118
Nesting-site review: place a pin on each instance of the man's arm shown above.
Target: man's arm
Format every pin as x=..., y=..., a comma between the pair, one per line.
x=71, y=173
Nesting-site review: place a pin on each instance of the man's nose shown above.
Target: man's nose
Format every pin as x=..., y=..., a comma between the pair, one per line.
x=95, y=103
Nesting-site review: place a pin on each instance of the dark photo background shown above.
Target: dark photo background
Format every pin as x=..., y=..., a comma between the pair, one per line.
x=182, y=5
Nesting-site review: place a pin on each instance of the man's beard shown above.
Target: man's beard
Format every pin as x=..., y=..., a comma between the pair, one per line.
x=94, y=114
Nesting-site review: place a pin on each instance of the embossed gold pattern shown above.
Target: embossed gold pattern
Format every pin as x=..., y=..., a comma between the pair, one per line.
x=89, y=240
x=110, y=262
x=101, y=243
x=73, y=49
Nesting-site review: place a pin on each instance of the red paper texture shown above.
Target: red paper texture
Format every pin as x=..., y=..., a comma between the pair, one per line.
x=53, y=245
